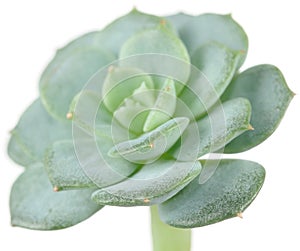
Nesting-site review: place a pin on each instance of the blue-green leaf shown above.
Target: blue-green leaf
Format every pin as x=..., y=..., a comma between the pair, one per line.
x=213, y=27
x=116, y=33
x=35, y=131
x=265, y=87
x=153, y=184
x=215, y=66
x=150, y=146
x=179, y=20
x=69, y=71
x=34, y=204
x=157, y=45
x=63, y=167
x=222, y=124
x=226, y=194
x=164, y=106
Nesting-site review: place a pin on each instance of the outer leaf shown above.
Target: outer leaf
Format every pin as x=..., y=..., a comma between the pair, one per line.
x=153, y=184
x=217, y=65
x=67, y=73
x=116, y=33
x=179, y=20
x=63, y=168
x=227, y=193
x=265, y=87
x=212, y=27
x=150, y=146
x=18, y=152
x=220, y=126
x=33, y=204
x=35, y=131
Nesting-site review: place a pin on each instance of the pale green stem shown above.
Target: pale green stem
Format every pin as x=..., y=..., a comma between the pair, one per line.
x=167, y=238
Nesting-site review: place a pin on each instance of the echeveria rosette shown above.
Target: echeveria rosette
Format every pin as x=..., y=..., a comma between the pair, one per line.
x=146, y=98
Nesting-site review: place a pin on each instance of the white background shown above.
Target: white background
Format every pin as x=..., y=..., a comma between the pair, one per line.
x=31, y=31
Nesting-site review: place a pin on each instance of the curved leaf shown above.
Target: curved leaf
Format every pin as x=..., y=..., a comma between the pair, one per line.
x=216, y=65
x=35, y=131
x=153, y=184
x=150, y=146
x=34, y=204
x=212, y=27
x=91, y=154
x=164, y=106
x=157, y=42
x=63, y=168
x=179, y=20
x=67, y=74
x=265, y=87
x=121, y=82
x=18, y=152
x=220, y=126
x=116, y=33
x=226, y=194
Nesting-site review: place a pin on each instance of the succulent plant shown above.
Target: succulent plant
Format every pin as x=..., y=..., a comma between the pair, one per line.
x=139, y=114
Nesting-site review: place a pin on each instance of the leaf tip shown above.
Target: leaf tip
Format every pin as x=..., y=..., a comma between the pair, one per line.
x=250, y=128
x=240, y=215
x=110, y=69
x=146, y=200
x=69, y=115
x=162, y=22
x=55, y=189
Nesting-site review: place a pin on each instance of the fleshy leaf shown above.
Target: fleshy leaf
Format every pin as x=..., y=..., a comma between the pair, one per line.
x=217, y=65
x=226, y=194
x=87, y=154
x=150, y=146
x=213, y=27
x=153, y=184
x=121, y=82
x=34, y=204
x=265, y=87
x=163, y=108
x=179, y=20
x=67, y=73
x=18, y=152
x=35, y=131
x=159, y=41
x=116, y=33
x=63, y=168
x=220, y=126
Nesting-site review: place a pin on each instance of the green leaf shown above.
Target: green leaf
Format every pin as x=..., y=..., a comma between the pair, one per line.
x=265, y=87
x=35, y=131
x=18, y=152
x=34, y=204
x=153, y=184
x=63, y=167
x=158, y=40
x=224, y=123
x=179, y=20
x=69, y=71
x=121, y=82
x=157, y=45
x=212, y=27
x=164, y=106
x=150, y=146
x=216, y=65
x=226, y=194
x=91, y=153
x=116, y=33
